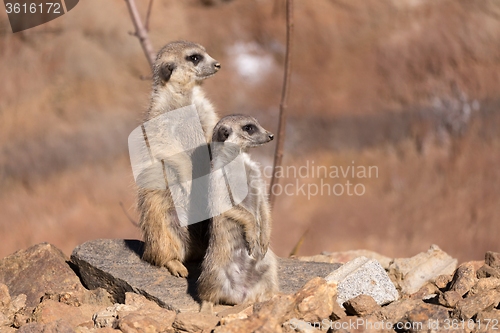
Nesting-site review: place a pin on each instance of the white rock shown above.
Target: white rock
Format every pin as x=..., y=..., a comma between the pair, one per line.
x=412, y=273
x=109, y=317
x=363, y=276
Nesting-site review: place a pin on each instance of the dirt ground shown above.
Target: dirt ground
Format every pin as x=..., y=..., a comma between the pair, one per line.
x=407, y=87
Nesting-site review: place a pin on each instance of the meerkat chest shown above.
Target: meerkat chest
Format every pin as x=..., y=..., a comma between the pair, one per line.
x=255, y=186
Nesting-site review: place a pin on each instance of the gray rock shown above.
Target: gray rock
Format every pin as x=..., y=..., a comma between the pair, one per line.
x=449, y=298
x=464, y=279
x=470, y=306
x=363, y=276
x=426, y=318
x=492, y=259
x=487, y=271
x=116, y=265
x=412, y=273
x=395, y=312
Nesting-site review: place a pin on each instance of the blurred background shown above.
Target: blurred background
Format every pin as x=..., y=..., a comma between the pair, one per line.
x=411, y=87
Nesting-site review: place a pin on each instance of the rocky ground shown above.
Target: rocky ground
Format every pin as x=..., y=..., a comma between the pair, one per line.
x=42, y=290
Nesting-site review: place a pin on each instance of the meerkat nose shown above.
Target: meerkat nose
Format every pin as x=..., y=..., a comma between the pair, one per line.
x=217, y=65
x=271, y=136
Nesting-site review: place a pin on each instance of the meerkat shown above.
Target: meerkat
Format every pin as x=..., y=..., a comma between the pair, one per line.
x=177, y=73
x=238, y=266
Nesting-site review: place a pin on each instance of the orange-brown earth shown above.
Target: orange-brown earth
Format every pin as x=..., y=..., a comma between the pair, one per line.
x=410, y=87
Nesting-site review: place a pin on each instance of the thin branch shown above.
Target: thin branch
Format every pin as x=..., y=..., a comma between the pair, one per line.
x=141, y=32
x=278, y=155
x=146, y=25
x=298, y=245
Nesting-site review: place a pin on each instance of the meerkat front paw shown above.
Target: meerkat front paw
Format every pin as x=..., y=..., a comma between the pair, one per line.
x=177, y=268
x=254, y=249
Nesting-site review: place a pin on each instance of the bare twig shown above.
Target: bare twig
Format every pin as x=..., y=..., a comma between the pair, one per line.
x=146, y=25
x=278, y=155
x=128, y=216
x=141, y=32
x=298, y=245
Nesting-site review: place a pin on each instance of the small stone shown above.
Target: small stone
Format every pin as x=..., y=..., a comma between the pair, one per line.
x=487, y=271
x=314, y=302
x=395, y=311
x=366, y=325
x=421, y=318
x=412, y=273
x=427, y=289
x=59, y=326
x=109, y=316
x=467, y=308
x=107, y=330
x=49, y=311
x=338, y=312
x=363, y=276
x=32, y=328
x=484, y=284
x=145, y=307
x=4, y=297
x=238, y=312
x=81, y=296
x=194, y=322
x=492, y=259
x=279, y=306
x=136, y=323
x=257, y=324
x=21, y=319
x=488, y=315
x=449, y=298
x=18, y=303
x=443, y=280
x=464, y=279
x=4, y=320
x=361, y=305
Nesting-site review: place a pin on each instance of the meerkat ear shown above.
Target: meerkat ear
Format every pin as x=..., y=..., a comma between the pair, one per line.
x=166, y=71
x=224, y=133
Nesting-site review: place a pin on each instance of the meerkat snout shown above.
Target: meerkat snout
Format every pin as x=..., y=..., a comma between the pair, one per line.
x=271, y=136
x=216, y=66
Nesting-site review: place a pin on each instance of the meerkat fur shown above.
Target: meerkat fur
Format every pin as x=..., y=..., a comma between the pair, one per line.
x=177, y=73
x=238, y=266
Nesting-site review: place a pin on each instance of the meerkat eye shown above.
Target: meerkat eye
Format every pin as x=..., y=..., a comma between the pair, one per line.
x=250, y=129
x=195, y=58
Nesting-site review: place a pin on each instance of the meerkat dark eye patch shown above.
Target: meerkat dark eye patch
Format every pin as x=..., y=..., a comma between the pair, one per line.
x=195, y=58
x=166, y=71
x=223, y=133
x=250, y=129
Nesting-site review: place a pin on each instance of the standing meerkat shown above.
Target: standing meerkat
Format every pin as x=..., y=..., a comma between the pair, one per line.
x=178, y=70
x=238, y=266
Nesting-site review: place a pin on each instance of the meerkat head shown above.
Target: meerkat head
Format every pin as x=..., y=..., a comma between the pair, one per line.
x=183, y=64
x=242, y=130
